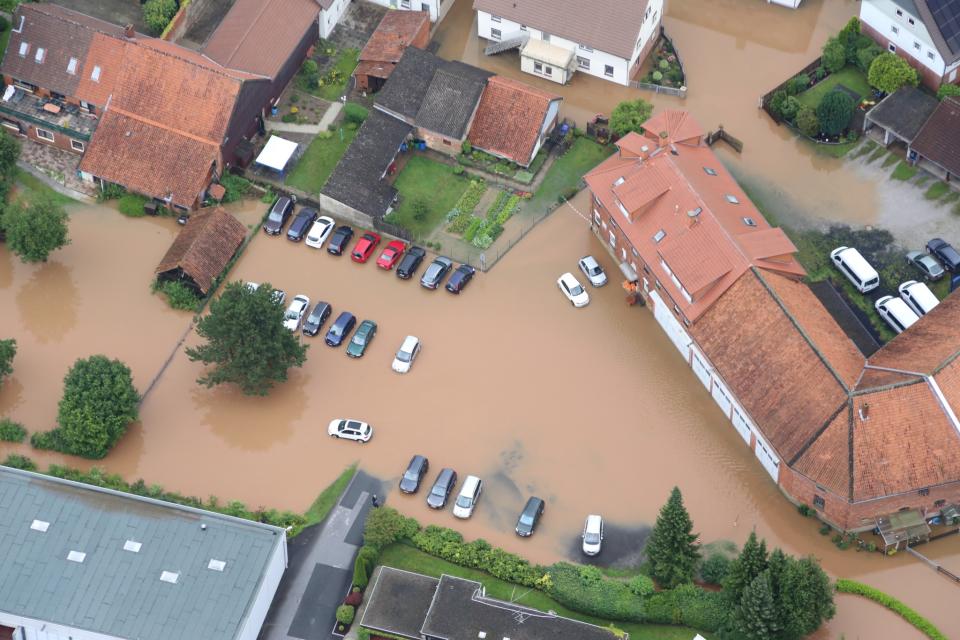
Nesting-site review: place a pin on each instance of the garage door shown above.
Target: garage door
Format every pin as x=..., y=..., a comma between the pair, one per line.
x=700, y=367
x=767, y=459
x=722, y=397
x=670, y=325
x=740, y=423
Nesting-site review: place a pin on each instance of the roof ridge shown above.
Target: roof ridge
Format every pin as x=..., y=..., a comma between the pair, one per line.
x=159, y=125
x=819, y=432
x=57, y=15
x=215, y=67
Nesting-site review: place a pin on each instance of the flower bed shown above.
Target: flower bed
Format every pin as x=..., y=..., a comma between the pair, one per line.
x=666, y=70
x=482, y=232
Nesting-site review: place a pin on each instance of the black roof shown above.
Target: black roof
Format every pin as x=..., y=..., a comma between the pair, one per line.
x=433, y=93
x=357, y=179
x=399, y=602
x=904, y=112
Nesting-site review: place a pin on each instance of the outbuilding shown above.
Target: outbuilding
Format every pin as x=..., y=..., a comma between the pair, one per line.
x=202, y=250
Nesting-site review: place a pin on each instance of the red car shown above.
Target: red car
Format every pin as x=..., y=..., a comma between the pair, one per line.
x=365, y=246
x=391, y=254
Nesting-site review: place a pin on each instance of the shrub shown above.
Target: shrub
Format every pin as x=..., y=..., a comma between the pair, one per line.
x=236, y=187
x=664, y=65
x=688, y=605
x=157, y=14
x=458, y=170
x=310, y=67
x=835, y=112
x=715, y=568
x=179, y=295
x=858, y=588
x=834, y=55
x=131, y=205
x=385, y=526
x=11, y=431
x=790, y=107
x=807, y=121
x=110, y=191
x=888, y=72
x=345, y=614
x=641, y=585
x=466, y=147
x=797, y=84
x=17, y=461
x=657, y=76
x=867, y=55
x=363, y=565
x=421, y=209
x=46, y=440
x=820, y=73
x=947, y=90
x=354, y=599
x=776, y=102
x=585, y=590
x=353, y=112
x=805, y=510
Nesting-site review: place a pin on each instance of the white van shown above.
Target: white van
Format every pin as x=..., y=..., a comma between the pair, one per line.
x=897, y=314
x=918, y=297
x=853, y=265
x=469, y=494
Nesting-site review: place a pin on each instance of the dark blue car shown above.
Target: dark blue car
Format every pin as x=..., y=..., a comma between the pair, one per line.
x=340, y=329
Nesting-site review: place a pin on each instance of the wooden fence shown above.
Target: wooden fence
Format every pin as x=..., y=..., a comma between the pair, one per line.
x=721, y=134
x=765, y=99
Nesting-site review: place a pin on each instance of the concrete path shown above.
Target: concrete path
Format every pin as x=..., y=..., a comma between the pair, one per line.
x=330, y=115
x=313, y=129
x=321, y=568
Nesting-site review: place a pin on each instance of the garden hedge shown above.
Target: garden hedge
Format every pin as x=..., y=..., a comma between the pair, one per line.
x=922, y=624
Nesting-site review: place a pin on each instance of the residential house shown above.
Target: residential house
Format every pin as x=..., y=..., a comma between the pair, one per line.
x=202, y=249
x=418, y=607
x=397, y=31
x=609, y=39
x=330, y=13
x=900, y=116
x=513, y=120
x=89, y=563
x=436, y=8
x=937, y=145
x=726, y=289
x=926, y=33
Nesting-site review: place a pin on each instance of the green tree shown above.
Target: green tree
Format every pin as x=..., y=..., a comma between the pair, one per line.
x=888, y=72
x=803, y=596
x=835, y=112
x=8, y=349
x=756, y=616
x=673, y=550
x=947, y=90
x=807, y=121
x=629, y=116
x=35, y=230
x=246, y=341
x=790, y=108
x=834, y=55
x=715, y=568
x=776, y=102
x=9, y=154
x=867, y=55
x=849, y=36
x=158, y=13
x=99, y=401
x=751, y=562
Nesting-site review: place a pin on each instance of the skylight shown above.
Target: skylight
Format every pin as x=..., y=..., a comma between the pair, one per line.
x=40, y=525
x=659, y=235
x=95, y=74
x=750, y=222
x=76, y=556
x=132, y=545
x=39, y=54
x=216, y=565
x=169, y=576
x=619, y=181
x=24, y=49
x=732, y=199
x=72, y=66
x=709, y=171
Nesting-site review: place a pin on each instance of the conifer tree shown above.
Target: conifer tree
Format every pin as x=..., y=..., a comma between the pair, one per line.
x=673, y=550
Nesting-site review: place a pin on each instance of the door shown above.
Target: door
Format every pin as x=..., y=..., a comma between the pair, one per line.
x=700, y=367
x=670, y=325
x=740, y=423
x=769, y=461
x=722, y=397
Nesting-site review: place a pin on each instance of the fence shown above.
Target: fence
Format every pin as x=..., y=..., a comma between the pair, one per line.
x=765, y=98
x=679, y=92
x=721, y=134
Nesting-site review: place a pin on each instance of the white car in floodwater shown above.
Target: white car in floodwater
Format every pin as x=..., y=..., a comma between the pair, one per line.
x=350, y=430
x=592, y=535
x=593, y=271
x=406, y=355
x=295, y=312
x=573, y=290
x=319, y=232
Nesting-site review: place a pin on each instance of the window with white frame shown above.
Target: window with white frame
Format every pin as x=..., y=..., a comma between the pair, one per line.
x=546, y=37
x=537, y=67
x=43, y=134
x=894, y=28
x=584, y=47
x=608, y=70
x=24, y=49
x=910, y=20
x=548, y=70
x=596, y=216
x=72, y=66
x=916, y=45
x=523, y=27
x=40, y=55
x=76, y=145
x=892, y=48
x=931, y=55
x=495, y=34
x=95, y=73
x=583, y=63
x=496, y=19
x=613, y=240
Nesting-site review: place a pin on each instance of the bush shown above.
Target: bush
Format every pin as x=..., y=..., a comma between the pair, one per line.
x=363, y=566
x=353, y=112
x=179, y=296
x=834, y=55
x=236, y=187
x=385, y=526
x=157, y=14
x=688, y=605
x=458, y=170
x=17, y=461
x=888, y=72
x=947, y=90
x=449, y=545
x=790, y=108
x=4, y=24
x=776, y=102
x=664, y=65
x=657, y=77
x=641, y=585
x=11, y=431
x=807, y=121
x=310, y=67
x=715, y=568
x=345, y=614
x=867, y=55
x=131, y=205
x=797, y=84
x=466, y=147
x=584, y=589
x=805, y=510
x=421, y=209
x=835, y=112
x=858, y=588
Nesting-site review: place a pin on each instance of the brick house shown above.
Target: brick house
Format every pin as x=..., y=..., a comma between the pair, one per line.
x=397, y=31
x=854, y=438
x=925, y=33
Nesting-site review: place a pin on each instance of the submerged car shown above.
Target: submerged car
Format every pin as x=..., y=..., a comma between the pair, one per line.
x=593, y=271
x=340, y=329
x=365, y=246
x=406, y=355
x=278, y=216
x=410, y=262
x=295, y=312
x=469, y=496
x=391, y=254
x=461, y=277
x=413, y=476
x=435, y=273
x=529, y=517
x=573, y=290
x=301, y=223
x=320, y=231
x=350, y=430
x=321, y=311
x=592, y=535
x=442, y=488
x=362, y=339
x=339, y=240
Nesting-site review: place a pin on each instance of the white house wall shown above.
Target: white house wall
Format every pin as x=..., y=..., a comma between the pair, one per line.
x=701, y=367
x=437, y=8
x=671, y=326
x=882, y=16
x=765, y=454
x=32, y=629
x=330, y=17
x=552, y=111
x=257, y=612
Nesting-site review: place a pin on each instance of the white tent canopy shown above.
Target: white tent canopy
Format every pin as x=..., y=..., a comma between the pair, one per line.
x=277, y=153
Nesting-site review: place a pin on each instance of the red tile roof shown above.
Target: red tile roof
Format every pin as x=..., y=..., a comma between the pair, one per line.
x=509, y=119
x=397, y=31
x=827, y=461
x=695, y=259
x=939, y=138
x=929, y=344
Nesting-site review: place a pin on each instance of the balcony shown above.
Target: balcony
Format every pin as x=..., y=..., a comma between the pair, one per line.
x=47, y=113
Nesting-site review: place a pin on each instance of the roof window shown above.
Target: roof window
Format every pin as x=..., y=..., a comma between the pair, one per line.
x=169, y=576
x=24, y=49
x=72, y=66
x=40, y=525
x=40, y=55
x=216, y=565
x=95, y=74
x=132, y=546
x=659, y=235
x=709, y=171
x=619, y=181
x=732, y=199
x=750, y=222
x=76, y=556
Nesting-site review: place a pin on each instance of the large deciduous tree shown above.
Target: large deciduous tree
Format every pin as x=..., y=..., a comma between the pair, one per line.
x=673, y=550
x=834, y=55
x=246, y=342
x=629, y=116
x=35, y=230
x=9, y=154
x=888, y=72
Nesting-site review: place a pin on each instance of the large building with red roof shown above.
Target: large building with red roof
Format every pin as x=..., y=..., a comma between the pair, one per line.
x=853, y=437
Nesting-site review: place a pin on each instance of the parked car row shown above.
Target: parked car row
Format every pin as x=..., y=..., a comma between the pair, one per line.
x=469, y=494
x=317, y=230
x=916, y=299
x=571, y=288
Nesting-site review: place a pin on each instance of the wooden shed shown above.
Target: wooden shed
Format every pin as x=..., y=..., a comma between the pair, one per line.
x=202, y=250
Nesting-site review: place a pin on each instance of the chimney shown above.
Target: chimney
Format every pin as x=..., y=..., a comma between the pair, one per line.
x=864, y=412
x=128, y=32
x=694, y=215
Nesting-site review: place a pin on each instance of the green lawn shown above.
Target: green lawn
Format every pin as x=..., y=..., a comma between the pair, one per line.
x=318, y=161
x=566, y=172
x=850, y=77
x=29, y=186
x=936, y=191
x=345, y=63
x=328, y=498
x=903, y=171
x=403, y=556
x=429, y=182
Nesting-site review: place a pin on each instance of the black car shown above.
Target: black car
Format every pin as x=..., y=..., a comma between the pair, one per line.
x=529, y=517
x=413, y=476
x=410, y=262
x=435, y=272
x=460, y=278
x=278, y=216
x=340, y=329
x=321, y=311
x=301, y=224
x=945, y=253
x=442, y=488
x=339, y=240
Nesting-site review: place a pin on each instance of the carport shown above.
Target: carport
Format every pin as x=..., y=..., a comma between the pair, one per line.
x=276, y=154
x=900, y=116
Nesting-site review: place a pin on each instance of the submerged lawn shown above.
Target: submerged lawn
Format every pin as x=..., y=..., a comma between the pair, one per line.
x=319, y=160
x=566, y=172
x=432, y=183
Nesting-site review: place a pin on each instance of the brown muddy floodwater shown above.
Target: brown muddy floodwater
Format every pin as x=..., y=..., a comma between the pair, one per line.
x=591, y=409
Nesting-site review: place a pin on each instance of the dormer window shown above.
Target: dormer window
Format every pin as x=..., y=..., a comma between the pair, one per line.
x=709, y=171
x=40, y=55
x=95, y=74
x=24, y=49
x=732, y=199
x=750, y=222
x=72, y=66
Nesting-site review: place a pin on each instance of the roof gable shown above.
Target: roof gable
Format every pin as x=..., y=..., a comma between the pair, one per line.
x=451, y=99
x=396, y=31
x=509, y=119
x=695, y=259
x=904, y=112
x=403, y=93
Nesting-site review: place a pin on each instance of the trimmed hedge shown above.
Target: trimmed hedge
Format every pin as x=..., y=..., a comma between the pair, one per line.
x=688, y=605
x=585, y=589
x=859, y=589
x=18, y=461
x=479, y=554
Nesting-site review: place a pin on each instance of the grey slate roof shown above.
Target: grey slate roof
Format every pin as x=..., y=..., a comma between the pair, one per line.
x=399, y=602
x=433, y=93
x=357, y=179
x=904, y=112
x=116, y=592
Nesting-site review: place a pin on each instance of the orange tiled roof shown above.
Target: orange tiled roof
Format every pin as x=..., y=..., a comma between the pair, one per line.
x=644, y=186
x=827, y=460
x=672, y=125
x=509, y=119
x=695, y=258
x=397, y=31
x=928, y=345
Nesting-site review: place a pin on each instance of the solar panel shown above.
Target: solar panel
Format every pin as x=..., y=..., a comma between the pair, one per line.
x=946, y=15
